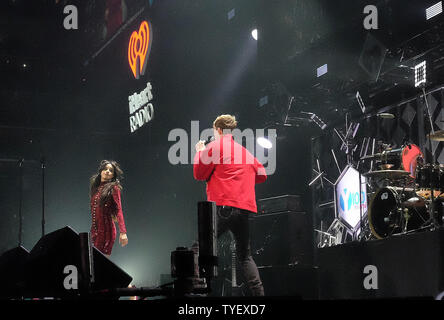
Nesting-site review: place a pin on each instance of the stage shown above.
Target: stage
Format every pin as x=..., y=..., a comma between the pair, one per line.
x=340, y=104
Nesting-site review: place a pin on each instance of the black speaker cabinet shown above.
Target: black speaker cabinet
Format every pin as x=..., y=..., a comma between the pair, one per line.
x=53, y=252
x=282, y=239
x=12, y=268
x=300, y=282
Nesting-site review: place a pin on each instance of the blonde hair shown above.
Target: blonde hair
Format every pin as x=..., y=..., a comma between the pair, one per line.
x=225, y=121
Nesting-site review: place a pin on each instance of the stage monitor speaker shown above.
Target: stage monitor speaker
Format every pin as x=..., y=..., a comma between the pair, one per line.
x=45, y=270
x=12, y=266
x=282, y=239
x=279, y=204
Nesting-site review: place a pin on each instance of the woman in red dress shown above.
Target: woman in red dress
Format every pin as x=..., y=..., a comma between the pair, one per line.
x=106, y=207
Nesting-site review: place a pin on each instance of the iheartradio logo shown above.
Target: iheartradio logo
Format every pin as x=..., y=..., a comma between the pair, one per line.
x=139, y=49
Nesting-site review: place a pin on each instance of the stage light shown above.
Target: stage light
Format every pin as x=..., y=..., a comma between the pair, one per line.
x=314, y=118
x=231, y=14
x=254, y=34
x=434, y=10
x=264, y=143
x=322, y=70
x=360, y=102
x=420, y=74
x=263, y=101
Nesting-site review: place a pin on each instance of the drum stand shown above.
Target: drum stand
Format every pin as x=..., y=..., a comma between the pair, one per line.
x=406, y=216
x=432, y=222
x=403, y=212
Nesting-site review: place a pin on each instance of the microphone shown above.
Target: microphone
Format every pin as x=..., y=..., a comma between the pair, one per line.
x=209, y=140
x=386, y=115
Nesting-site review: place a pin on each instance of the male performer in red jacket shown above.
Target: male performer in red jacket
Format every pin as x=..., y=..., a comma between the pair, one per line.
x=231, y=172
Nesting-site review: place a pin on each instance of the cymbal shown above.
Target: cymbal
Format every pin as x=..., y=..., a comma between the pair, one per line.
x=390, y=174
x=388, y=153
x=437, y=136
x=371, y=156
x=414, y=202
x=386, y=166
x=426, y=193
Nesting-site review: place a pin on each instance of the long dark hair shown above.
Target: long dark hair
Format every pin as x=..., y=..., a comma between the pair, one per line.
x=108, y=187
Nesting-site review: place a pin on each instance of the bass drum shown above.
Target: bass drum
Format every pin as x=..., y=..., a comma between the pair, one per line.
x=394, y=210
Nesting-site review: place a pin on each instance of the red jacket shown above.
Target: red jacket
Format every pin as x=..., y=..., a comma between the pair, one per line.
x=231, y=172
x=102, y=215
x=103, y=230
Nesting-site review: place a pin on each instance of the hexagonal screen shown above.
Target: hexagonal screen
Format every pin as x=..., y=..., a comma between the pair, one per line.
x=348, y=203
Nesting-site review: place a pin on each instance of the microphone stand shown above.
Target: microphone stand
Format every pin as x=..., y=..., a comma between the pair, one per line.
x=361, y=227
x=42, y=162
x=20, y=164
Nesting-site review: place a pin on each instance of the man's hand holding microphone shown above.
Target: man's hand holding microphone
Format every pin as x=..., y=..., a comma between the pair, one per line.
x=200, y=146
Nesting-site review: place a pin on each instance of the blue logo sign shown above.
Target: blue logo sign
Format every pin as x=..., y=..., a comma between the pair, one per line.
x=350, y=200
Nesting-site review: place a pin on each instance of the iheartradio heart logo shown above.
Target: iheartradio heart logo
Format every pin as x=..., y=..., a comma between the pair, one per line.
x=139, y=49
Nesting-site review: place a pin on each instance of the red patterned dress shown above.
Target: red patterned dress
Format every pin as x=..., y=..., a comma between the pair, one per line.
x=103, y=229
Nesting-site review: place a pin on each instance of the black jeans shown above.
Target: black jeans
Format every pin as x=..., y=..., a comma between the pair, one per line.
x=236, y=221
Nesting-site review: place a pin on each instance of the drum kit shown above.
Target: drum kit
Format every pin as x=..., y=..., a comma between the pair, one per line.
x=407, y=193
